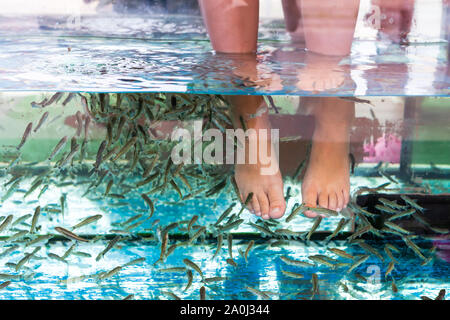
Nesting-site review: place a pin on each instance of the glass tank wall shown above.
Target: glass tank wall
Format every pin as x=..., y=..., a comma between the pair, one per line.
x=99, y=100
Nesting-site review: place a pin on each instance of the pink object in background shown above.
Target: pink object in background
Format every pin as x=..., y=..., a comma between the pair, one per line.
x=386, y=149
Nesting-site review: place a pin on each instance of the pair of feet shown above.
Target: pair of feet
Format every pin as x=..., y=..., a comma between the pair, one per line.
x=326, y=180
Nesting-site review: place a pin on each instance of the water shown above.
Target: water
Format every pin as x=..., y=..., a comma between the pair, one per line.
x=152, y=49
x=45, y=277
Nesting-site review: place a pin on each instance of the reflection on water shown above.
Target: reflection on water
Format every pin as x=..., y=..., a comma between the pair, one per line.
x=67, y=191
x=385, y=48
x=121, y=65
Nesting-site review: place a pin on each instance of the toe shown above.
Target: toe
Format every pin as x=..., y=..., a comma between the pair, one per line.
x=263, y=204
x=255, y=206
x=309, y=197
x=323, y=199
x=340, y=201
x=277, y=204
x=332, y=201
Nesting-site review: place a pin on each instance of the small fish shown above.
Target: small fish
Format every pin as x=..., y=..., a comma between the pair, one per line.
x=214, y=279
x=202, y=293
x=87, y=221
x=108, y=247
x=177, y=189
x=396, y=227
x=370, y=249
x=390, y=267
x=39, y=239
x=79, y=123
x=320, y=210
x=224, y=214
x=70, y=235
x=108, y=187
x=6, y=222
x=149, y=203
x=17, y=235
x=58, y=147
x=230, y=245
x=25, y=136
x=386, y=209
x=249, y=247
x=292, y=274
x=190, y=279
x=258, y=293
x=125, y=148
x=394, y=286
x=315, y=284
x=414, y=247
x=411, y=202
x=194, y=266
x=389, y=253
x=37, y=213
x=5, y=284
x=171, y=295
x=338, y=229
x=355, y=99
x=358, y=263
x=26, y=258
x=246, y=202
x=441, y=295
x=231, y=262
x=316, y=224
x=191, y=222
x=69, y=251
x=320, y=259
x=294, y=212
x=133, y=262
x=41, y=121
x=111, y=273
x=402, y=214
x=219, y=245
x=197, y=234
x=360, y=232
x=341, y=253
x=392, y=204
x=173, y=269
x=231, y=225
x=34, y=186
x=296, y=263
x=99, y=157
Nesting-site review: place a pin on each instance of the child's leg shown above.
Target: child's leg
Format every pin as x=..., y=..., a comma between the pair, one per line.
x=232, y=24
x=329, y=25
x=268, y=199
x=327, y=182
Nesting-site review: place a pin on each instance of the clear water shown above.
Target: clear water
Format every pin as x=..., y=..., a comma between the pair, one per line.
x=161, y=46
x=42, y=277
x=120, y=48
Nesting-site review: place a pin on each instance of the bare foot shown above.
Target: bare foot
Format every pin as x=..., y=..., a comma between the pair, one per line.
x=321, y=73
x=266, y=185
x=327, y=179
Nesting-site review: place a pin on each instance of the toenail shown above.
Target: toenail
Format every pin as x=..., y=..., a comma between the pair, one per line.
x=265, y=217
x=275, y=211
x=258, y=213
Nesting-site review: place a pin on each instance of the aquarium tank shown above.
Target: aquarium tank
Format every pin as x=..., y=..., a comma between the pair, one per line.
x=224, y=150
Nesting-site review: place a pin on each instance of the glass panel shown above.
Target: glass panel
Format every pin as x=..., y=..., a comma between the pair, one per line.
x=53, y=176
